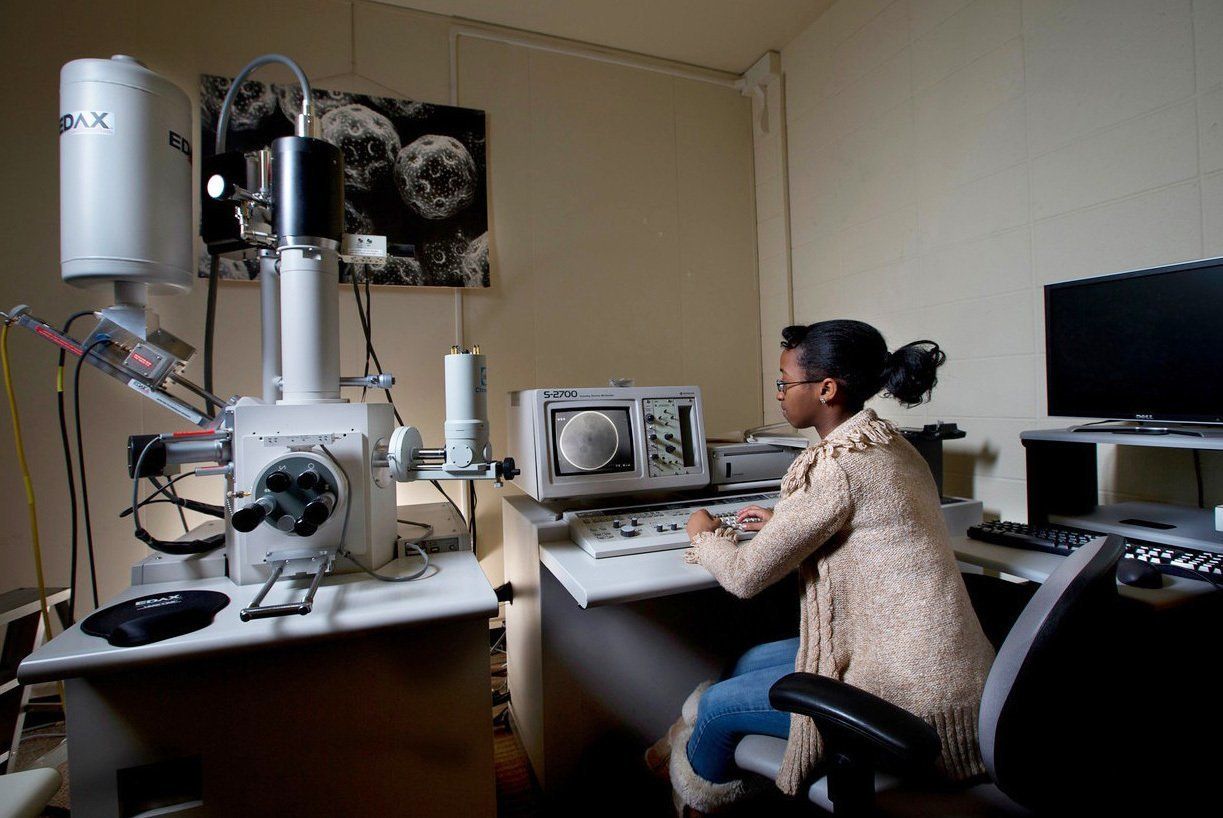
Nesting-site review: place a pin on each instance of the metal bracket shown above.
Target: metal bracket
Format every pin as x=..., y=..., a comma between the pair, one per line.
x=279, y=560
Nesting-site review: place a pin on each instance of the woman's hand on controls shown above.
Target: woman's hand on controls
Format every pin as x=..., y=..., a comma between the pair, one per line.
x=701, y=521
x=753, y=518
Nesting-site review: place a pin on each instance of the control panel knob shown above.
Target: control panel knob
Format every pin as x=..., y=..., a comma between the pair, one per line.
x=628, y=531
x=278, y=481
x=616, y=523
x=649, y=418
x=509, y=469
x=319, y=509
x=636, y=521
x=670, y=449
x=660, y=527
x=668, y=436
x=248, y=518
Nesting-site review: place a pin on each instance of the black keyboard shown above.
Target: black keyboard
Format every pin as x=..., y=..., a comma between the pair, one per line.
x=1175, y=561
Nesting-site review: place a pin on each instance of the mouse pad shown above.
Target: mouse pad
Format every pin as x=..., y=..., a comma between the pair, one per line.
x=153, y=618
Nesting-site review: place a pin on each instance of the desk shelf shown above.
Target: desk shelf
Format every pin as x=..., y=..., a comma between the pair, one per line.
x=1063, y=488
x=21, y=619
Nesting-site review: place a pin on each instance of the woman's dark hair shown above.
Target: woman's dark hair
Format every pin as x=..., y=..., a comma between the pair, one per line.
x=856, y=356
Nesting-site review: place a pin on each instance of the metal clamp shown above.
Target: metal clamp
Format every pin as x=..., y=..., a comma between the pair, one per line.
x=323, y=560
x=381, y=381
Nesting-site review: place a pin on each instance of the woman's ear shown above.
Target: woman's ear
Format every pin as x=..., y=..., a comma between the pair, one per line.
x=827, y=390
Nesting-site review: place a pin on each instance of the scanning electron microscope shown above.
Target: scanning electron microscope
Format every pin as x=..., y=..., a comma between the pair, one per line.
x=310, y=476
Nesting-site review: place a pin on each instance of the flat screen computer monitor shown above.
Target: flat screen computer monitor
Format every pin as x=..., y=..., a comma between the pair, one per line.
x=1142, y=345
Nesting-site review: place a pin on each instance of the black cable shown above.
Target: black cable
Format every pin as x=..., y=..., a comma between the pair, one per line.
x=210, y=324
x=185, y=502
x=63, y=436
x=373, y=353
x=369, y=348
x=80, y=462
x=174, y=494
x=471, y=521
x=1197, y=470
x=162, y=491
x=369, y=317
x=165, y=546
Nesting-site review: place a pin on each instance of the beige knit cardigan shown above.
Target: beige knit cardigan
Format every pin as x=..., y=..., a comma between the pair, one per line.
x=883, y=606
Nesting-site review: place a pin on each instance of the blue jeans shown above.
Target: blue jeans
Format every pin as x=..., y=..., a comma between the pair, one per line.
x=738, y=706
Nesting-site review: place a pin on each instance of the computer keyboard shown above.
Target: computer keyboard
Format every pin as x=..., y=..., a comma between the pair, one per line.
x=1176, y=561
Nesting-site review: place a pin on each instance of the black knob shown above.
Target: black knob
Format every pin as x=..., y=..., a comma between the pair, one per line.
x=307, y=480
x=509, y=469
x=669, y=436
x=304, y=528
x=248, y=519
x=278, y=481
x=649, y=418
x=670, y=449
x=319, y=509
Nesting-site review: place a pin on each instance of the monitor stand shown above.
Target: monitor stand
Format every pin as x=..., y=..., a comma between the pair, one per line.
x=1126, y=428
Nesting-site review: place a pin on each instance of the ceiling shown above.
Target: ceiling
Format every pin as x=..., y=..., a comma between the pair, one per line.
x=728, y=35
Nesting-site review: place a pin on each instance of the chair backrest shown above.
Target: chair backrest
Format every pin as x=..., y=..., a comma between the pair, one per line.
x=1043, y=699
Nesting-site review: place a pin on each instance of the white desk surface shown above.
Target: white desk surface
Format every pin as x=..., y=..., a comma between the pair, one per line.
x=615, y=580
x=454, y=588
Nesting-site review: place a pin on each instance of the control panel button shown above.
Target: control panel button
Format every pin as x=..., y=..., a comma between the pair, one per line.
x=278, y=481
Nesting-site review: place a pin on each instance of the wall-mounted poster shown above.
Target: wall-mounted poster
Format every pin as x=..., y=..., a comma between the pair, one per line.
x=413, y=172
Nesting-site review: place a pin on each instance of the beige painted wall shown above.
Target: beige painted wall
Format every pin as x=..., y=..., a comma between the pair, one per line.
x=947, y=158
x=622, y=229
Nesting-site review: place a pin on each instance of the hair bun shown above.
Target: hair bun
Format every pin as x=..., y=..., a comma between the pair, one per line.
x=911, y=372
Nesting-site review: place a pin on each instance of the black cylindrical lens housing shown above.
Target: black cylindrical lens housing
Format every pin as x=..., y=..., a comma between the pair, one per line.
x=307, y=188
x=319, y=509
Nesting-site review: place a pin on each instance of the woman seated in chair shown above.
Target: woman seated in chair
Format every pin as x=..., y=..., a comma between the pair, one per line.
x=883, y=605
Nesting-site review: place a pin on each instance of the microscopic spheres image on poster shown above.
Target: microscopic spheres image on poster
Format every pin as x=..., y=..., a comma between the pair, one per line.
x=414, y=172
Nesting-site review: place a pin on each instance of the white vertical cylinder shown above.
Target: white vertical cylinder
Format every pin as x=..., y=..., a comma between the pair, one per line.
x=269, y=303
x=125, y=176
x=466, y=410
x=310, y=325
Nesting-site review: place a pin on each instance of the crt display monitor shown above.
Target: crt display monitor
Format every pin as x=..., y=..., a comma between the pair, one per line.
x=1142, y=345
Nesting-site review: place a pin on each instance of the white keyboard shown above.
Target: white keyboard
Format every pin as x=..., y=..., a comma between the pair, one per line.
x=615, y=532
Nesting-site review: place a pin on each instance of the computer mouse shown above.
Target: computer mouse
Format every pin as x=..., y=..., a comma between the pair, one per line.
x=1139, y=574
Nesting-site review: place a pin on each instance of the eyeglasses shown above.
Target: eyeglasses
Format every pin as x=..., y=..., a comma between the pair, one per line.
x=782, y=386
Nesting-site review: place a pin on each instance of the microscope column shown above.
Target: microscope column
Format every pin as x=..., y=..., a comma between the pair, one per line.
x=308, y=185
x=269, y=303
x=309, y=324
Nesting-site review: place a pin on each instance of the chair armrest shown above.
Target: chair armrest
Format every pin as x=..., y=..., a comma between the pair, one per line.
x=858, y=725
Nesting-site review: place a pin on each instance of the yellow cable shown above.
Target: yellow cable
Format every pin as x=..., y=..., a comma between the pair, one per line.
x=29, y=485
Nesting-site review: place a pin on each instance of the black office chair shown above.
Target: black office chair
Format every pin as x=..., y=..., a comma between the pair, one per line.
x=1045, y=722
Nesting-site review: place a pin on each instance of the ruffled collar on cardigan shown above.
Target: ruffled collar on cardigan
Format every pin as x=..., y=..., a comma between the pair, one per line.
x=862, y=430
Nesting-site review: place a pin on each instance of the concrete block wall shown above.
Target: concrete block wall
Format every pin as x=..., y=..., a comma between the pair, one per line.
x=947, y=158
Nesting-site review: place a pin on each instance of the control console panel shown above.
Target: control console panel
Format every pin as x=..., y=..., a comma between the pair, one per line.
x=612, y=440
x=638, y=529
